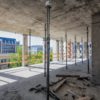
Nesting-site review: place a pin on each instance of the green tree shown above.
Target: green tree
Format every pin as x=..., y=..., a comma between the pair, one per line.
x=51, y=56
x=16, y=58
x=36, y=58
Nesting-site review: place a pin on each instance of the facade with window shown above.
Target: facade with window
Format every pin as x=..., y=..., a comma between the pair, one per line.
x=36, y=48
x=7, y=45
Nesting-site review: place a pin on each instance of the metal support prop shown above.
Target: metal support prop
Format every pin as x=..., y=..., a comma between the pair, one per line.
x=62, y=55
x=45, y=58
x=48, y=6
x=88, y=50
x=66, y=48
x=75, y=50
x=30, y=43
x=82, y=48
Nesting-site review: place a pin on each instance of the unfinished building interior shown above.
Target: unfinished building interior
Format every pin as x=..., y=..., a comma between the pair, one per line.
x=67, y=22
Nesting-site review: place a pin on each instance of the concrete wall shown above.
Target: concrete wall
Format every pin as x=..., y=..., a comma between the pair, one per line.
x=96, y=48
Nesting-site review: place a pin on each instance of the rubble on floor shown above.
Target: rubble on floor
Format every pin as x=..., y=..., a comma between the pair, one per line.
x=69, y=87
x=64, y=85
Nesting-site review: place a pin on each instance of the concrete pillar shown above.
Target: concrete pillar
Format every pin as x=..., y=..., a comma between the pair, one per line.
x=66, y=60
x=69, y=48
x=65, y=50
x=78, y=49
x=61, y=53
x=57, y=43
x=96, y=48
x=25, y=50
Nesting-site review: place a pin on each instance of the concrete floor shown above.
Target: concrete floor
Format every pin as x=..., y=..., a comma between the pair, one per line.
x=20, y=80
x=12, y=75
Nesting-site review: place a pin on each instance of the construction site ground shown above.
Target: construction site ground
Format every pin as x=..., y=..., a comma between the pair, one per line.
x=19, y=83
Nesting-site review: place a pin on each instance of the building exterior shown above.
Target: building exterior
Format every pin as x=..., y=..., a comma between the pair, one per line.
x=36, y=48
x=7, y=45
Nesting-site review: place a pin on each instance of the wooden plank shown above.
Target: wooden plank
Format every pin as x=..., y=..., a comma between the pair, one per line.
x=59, y=85
x=66, y=75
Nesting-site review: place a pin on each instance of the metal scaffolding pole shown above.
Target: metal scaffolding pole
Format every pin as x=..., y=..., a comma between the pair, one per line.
x=75, y=50
x=45, y=48
x=82, y=48
x=88, y=50
x=66, y=48
x=48, y=6
x=30, y=43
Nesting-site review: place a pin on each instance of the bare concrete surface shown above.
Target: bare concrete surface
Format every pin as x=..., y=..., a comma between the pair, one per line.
x=27, y=78
x=71, y=15
x=95, y=46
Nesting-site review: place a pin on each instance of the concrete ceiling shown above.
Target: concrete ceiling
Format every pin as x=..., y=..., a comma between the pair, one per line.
x=70, y=16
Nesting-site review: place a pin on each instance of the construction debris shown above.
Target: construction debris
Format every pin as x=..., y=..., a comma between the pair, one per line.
x=40, y=88
x=79, y=77
x=59, y=85
x=64, y=75
x=56, y=81
x=67, y=87
x=73, y=87
x=86, y=98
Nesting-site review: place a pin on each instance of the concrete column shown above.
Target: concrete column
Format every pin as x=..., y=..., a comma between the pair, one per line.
x=96, y=48
x=25, y=50
x=66, y=60
x=69, y=49
x=57, y=43
x=61, y=54
x=78, y=49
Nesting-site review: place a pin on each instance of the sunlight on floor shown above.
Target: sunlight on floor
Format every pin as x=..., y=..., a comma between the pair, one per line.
x=18, y=74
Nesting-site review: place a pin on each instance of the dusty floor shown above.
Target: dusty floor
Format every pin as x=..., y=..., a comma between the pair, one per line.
x=77, y=89
x=19, y=90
